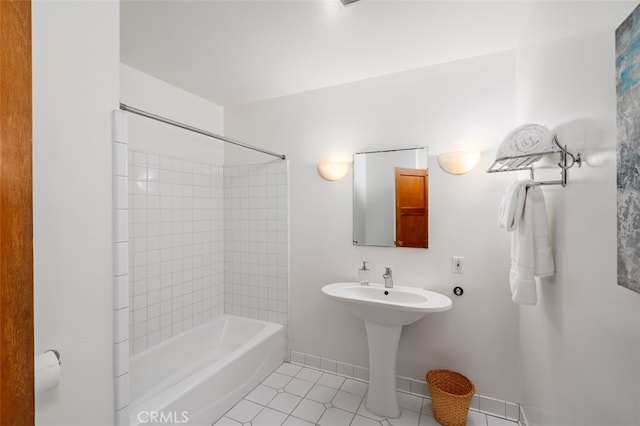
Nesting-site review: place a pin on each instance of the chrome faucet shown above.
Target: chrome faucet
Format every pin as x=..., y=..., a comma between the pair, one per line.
x=388, y=278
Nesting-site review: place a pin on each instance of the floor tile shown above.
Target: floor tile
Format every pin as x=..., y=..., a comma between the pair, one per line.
x=276, y=380
x=493, y=406
x=309, y=374
x=427, y=407
x=355, y=387
x=364, y=421
x=226, y=421
x=335, y=417
x=321, y=393
x=298, y=387
x=331, y=380
x=513, y=411
x=309, y=410
x=476, y=419
x=410, y=402
x=495, y=421
x=289, y=369
x=269, y=417
x=407, y=418
x=426, y=420
x=300, y=396
x=347, y=401
x=261, y=395
x=294, y=421
x=363, y=411
x=244, y=411
x=284, y=402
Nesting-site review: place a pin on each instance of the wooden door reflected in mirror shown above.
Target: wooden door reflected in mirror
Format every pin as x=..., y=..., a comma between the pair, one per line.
x=391, y=198
x=412, y=207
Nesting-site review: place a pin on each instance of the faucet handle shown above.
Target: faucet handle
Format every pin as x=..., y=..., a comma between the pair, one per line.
x=387, y=271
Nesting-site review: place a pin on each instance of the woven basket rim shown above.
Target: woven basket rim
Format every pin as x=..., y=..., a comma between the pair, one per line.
x=471, y=392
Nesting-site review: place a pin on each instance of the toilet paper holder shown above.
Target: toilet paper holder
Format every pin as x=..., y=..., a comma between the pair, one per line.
x=47, y=370
x=56, y=353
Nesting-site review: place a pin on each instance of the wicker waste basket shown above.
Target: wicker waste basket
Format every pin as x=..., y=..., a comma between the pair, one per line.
x=451, y=395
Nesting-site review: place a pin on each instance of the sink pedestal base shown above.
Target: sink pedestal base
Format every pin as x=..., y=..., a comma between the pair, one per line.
x=383, y=351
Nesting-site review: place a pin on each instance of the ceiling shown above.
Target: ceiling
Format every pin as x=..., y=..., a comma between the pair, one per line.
x=235, y=52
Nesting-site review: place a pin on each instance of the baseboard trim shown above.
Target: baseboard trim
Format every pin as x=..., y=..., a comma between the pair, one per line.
x=523, y=417
x=480, y=403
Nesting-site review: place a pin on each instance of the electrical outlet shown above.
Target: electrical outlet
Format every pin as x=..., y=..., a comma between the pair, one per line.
x=456, y=265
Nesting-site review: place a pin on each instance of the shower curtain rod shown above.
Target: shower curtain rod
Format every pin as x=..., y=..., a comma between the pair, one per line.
x=196, y=130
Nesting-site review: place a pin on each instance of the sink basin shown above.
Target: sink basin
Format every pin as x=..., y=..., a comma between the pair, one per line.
x=385, y=311
x=395, y=306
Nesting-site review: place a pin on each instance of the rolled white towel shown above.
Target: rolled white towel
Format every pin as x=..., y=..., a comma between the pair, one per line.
x=526, y=139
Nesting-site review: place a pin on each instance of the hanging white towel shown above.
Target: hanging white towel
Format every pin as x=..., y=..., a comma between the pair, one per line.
x=512, y=205
x=543, y=262
x=531, y=254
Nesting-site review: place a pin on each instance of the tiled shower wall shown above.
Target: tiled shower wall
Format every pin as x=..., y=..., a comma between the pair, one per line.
x=176, y=246
x=256, y=241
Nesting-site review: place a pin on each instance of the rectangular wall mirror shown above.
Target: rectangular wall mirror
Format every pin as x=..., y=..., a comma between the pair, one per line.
x=391, y=198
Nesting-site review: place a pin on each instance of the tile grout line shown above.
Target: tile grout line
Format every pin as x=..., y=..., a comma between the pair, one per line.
x=480, y=397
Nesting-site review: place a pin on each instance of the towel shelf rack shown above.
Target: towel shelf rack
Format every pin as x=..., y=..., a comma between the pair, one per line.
x=516, y=163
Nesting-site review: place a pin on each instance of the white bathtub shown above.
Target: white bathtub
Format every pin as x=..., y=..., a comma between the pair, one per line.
x=199, y=375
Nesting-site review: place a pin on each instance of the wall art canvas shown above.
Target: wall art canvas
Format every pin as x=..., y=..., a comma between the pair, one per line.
x=628, y=150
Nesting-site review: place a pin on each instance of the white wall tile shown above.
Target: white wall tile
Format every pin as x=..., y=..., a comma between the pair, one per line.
x=121, y=388
x=120, y=199
x=120, y=292
x=254, y=286
x=121, y=325
x=120, y=159
x=344, y=369
x=419, y=388
x=120, y=128
x=297, y=357
x=328, y=365
x=493, y=406
x=403, y=383
x=312, y=361
x=120, y=259
x=122, y=417
x=512, y=411
x=178, y=260
x=121, y=358
x=120, y=226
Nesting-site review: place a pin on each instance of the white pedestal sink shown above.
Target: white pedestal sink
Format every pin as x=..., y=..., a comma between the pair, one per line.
x=385, y=311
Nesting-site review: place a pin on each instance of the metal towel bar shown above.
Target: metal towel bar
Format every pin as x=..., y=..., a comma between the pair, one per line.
x=516, y=163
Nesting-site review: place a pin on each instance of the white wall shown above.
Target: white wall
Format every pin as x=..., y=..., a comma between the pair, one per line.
x=75, y=88
x=148, y=93
x=581, y=344
x=465, y=104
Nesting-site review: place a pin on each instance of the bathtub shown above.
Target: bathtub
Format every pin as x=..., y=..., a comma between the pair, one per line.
x=196, y=377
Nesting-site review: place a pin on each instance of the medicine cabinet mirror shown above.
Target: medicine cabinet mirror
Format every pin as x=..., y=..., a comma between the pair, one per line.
x=391, y=198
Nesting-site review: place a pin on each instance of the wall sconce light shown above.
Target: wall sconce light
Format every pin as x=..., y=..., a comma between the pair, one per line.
x=458, y=162
x=333, y=170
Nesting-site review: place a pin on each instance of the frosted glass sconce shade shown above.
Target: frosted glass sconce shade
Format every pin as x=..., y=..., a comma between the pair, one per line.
x=333, y=170
x=458, y=162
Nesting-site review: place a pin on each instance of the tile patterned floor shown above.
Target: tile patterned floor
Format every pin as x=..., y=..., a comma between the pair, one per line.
x=300, y=396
